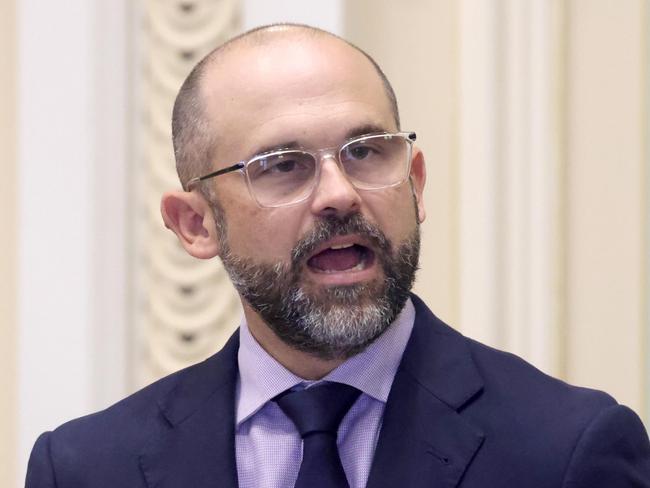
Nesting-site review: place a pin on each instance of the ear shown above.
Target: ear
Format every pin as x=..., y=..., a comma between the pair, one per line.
x=189, y=216
x=418, y=178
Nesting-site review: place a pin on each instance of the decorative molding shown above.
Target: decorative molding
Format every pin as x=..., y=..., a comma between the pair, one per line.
x=477, y=175
x=508, y=176
x=185, y=309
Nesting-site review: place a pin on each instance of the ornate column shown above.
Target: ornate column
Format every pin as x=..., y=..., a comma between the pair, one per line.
x=184, y=309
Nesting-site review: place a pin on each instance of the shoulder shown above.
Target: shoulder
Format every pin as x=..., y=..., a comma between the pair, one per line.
x=116, y=435
x=612, y=450
x=104, y=444
x=593, y=440
x=127, y=422
x=536, y=427
x=516, y=381
x=507, y=380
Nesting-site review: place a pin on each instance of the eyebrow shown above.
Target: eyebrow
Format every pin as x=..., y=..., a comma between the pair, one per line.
x=276, y=147
x=362, y=130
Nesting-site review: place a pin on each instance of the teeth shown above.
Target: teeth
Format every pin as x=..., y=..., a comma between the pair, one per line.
x=341, y=246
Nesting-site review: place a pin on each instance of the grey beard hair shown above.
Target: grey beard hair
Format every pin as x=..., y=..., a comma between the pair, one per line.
x=334, y=322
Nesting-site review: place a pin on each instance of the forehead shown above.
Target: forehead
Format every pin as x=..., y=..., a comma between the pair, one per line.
x=309, y=88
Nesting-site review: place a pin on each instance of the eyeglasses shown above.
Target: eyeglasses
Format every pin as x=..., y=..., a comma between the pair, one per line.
x=289, y=176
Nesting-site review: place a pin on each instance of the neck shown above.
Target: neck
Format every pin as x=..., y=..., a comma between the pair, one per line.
x=300, y=363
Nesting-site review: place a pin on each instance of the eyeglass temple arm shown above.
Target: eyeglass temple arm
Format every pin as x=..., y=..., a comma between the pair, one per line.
x=223, y=171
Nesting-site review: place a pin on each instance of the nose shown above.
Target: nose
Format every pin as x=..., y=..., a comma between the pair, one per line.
x=334, y=194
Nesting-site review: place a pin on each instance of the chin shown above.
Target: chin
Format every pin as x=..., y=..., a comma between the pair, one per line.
x=347, y=295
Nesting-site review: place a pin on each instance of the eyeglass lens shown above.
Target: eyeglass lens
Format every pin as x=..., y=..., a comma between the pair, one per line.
x=285, y=177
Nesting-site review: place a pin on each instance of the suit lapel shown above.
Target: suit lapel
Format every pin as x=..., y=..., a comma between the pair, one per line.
x=424, y=441
x=196, y=446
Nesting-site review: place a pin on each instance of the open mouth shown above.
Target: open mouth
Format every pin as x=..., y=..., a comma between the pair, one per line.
x=342, y=258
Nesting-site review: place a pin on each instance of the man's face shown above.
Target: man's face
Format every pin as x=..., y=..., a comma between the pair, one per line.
x=327, y=275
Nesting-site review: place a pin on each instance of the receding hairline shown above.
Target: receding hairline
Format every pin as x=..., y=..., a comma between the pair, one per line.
x=264, y=35
x=189, y=120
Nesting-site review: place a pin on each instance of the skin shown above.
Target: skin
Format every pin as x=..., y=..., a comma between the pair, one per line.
x=317, y=92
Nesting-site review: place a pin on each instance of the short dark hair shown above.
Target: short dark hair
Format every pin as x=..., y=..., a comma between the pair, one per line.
x=192, y=136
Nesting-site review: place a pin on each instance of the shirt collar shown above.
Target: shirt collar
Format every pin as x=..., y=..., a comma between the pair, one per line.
x=372, y=371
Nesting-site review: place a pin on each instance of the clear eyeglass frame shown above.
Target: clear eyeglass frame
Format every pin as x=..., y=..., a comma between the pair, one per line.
x=318, y=155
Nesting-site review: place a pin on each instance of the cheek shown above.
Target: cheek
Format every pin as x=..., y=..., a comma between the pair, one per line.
x=394, y=211
x=266, y=235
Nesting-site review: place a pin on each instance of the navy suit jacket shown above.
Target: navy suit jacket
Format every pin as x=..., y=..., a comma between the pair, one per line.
x=459, y=414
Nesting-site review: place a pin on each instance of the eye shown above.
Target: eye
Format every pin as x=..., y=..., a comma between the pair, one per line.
x=285, y=166
x=281, y=165
x=359, y=152
x=362, y=150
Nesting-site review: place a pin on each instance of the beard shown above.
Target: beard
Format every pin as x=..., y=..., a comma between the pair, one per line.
x=328, y=322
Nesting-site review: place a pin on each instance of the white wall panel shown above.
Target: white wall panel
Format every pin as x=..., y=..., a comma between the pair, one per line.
x=71, y=156
x=55, y=178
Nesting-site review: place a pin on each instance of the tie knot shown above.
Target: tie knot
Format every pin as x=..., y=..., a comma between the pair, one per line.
x=318, y=409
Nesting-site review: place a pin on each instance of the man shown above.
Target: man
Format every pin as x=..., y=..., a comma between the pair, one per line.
x=297, y=176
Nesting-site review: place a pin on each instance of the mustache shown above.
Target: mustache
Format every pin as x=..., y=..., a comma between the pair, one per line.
x=331, y=226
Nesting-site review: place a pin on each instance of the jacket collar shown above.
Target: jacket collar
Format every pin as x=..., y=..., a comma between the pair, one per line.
x=423, y=436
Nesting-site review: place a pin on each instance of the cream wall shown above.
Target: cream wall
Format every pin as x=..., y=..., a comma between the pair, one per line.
x=606, y=198
x=8, y=271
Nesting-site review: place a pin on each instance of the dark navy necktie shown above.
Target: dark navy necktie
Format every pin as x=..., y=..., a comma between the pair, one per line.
x=317, y=413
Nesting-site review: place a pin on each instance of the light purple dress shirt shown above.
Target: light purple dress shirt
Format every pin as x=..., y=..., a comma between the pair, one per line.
x=268, y=446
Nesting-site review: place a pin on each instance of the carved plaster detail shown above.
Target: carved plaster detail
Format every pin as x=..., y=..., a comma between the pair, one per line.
x=184, y=309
